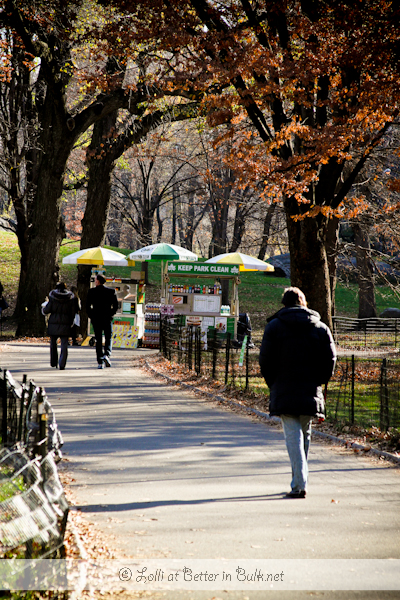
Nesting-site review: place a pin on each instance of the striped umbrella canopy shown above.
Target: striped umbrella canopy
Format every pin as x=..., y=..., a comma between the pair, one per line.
x=245, y=262
x=162, y=252
x=96, y=256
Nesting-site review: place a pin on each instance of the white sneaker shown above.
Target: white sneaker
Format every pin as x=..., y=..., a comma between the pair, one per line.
x=107, y=361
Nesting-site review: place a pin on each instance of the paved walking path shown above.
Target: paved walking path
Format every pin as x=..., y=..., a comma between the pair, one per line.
x=175, y=476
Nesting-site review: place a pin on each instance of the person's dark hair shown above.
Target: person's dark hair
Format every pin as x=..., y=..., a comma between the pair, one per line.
x=100, y=279
x=61, y=287
x=293, y=296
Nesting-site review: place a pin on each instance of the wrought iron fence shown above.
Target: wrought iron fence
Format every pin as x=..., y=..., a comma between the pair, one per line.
x=208, y=352
x=27, y=417
x=33, y=507
x=363, y=391
x=366, y=334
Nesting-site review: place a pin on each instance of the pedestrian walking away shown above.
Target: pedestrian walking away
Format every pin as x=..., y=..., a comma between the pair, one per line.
x=60, y=307
x=101, y=306
x=297, y=357
x=77, y=317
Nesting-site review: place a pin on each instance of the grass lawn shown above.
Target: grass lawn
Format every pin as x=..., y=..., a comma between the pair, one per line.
x=259, y=294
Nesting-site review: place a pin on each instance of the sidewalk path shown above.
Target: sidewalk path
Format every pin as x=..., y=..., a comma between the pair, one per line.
x=175, y=476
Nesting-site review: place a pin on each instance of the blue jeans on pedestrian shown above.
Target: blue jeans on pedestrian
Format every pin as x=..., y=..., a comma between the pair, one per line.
x=54, y=351
x=99, y=328
x=297, y=430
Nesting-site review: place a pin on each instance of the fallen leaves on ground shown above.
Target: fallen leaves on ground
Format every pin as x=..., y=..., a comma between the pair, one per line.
x=177, y=374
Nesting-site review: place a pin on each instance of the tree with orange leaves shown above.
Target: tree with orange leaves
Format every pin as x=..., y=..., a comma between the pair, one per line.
x=311, y=85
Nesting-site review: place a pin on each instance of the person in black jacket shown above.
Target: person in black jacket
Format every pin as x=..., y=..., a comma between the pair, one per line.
x=60, y=307
x=297, y=357
x=101, y=306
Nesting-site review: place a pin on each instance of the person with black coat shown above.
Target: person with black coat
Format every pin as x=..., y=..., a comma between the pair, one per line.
x=101, y=306
x=297, y=357
x=61, y=309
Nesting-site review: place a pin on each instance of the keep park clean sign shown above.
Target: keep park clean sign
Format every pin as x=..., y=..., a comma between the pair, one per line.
x=181, y=268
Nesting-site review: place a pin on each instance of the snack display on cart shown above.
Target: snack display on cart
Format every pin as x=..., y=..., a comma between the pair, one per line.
x=151, y=336
x=199, y=302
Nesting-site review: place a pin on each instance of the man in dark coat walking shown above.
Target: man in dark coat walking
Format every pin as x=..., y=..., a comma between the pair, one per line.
x=101, y=306
x=297, y=357
x=60, y=307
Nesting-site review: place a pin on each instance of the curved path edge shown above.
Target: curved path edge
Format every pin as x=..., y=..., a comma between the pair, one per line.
x=264, y=415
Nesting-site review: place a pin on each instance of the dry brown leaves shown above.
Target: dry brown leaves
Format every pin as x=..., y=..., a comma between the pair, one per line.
x=85, y=540
x=82, y=538
x=176, y=374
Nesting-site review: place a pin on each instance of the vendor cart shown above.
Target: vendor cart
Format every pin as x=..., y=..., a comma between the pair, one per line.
x=199, y=302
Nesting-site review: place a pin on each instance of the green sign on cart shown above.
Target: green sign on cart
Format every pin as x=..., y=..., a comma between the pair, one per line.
x=184, y=268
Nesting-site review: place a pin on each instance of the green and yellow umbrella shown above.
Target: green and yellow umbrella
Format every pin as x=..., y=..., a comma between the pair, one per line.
x=162, y=252
x=245, y=262
x=96, y=256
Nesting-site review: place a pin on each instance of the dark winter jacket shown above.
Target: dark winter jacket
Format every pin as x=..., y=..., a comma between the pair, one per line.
x=101, y=304
x=61, y=309
x=297, y=357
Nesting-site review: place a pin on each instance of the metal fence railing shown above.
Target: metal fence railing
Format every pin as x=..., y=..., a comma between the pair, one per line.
x=363, y=391
x=366, y=334
x=27, y=417
x=207, y=352
x=33, y=507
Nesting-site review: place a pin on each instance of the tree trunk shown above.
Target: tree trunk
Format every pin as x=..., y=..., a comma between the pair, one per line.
x=365, y=275
x=219, y=227
x=21, y=208
x=239, y=227
x=23, y=244
x=182, y=226
x=308, y=259
x=47, y=229
x=100, y=167
x=174, y=214
x=266, y=230
x=159, y=224
x=332, y=243
x=190, y=220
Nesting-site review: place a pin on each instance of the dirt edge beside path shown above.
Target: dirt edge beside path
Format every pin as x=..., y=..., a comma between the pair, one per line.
x=350, y=441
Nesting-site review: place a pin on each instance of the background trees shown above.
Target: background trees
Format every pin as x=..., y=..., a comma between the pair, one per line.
x=316, y=82
x=371, y=242
x=299, y=95
x=72, y=85
x=45, y=39
x=177, y=186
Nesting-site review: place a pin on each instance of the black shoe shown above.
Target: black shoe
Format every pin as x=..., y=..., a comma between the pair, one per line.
x=298, y=494
x=106, y=361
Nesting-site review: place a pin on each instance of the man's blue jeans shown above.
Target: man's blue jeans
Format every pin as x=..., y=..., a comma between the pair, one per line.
x=297, y=430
